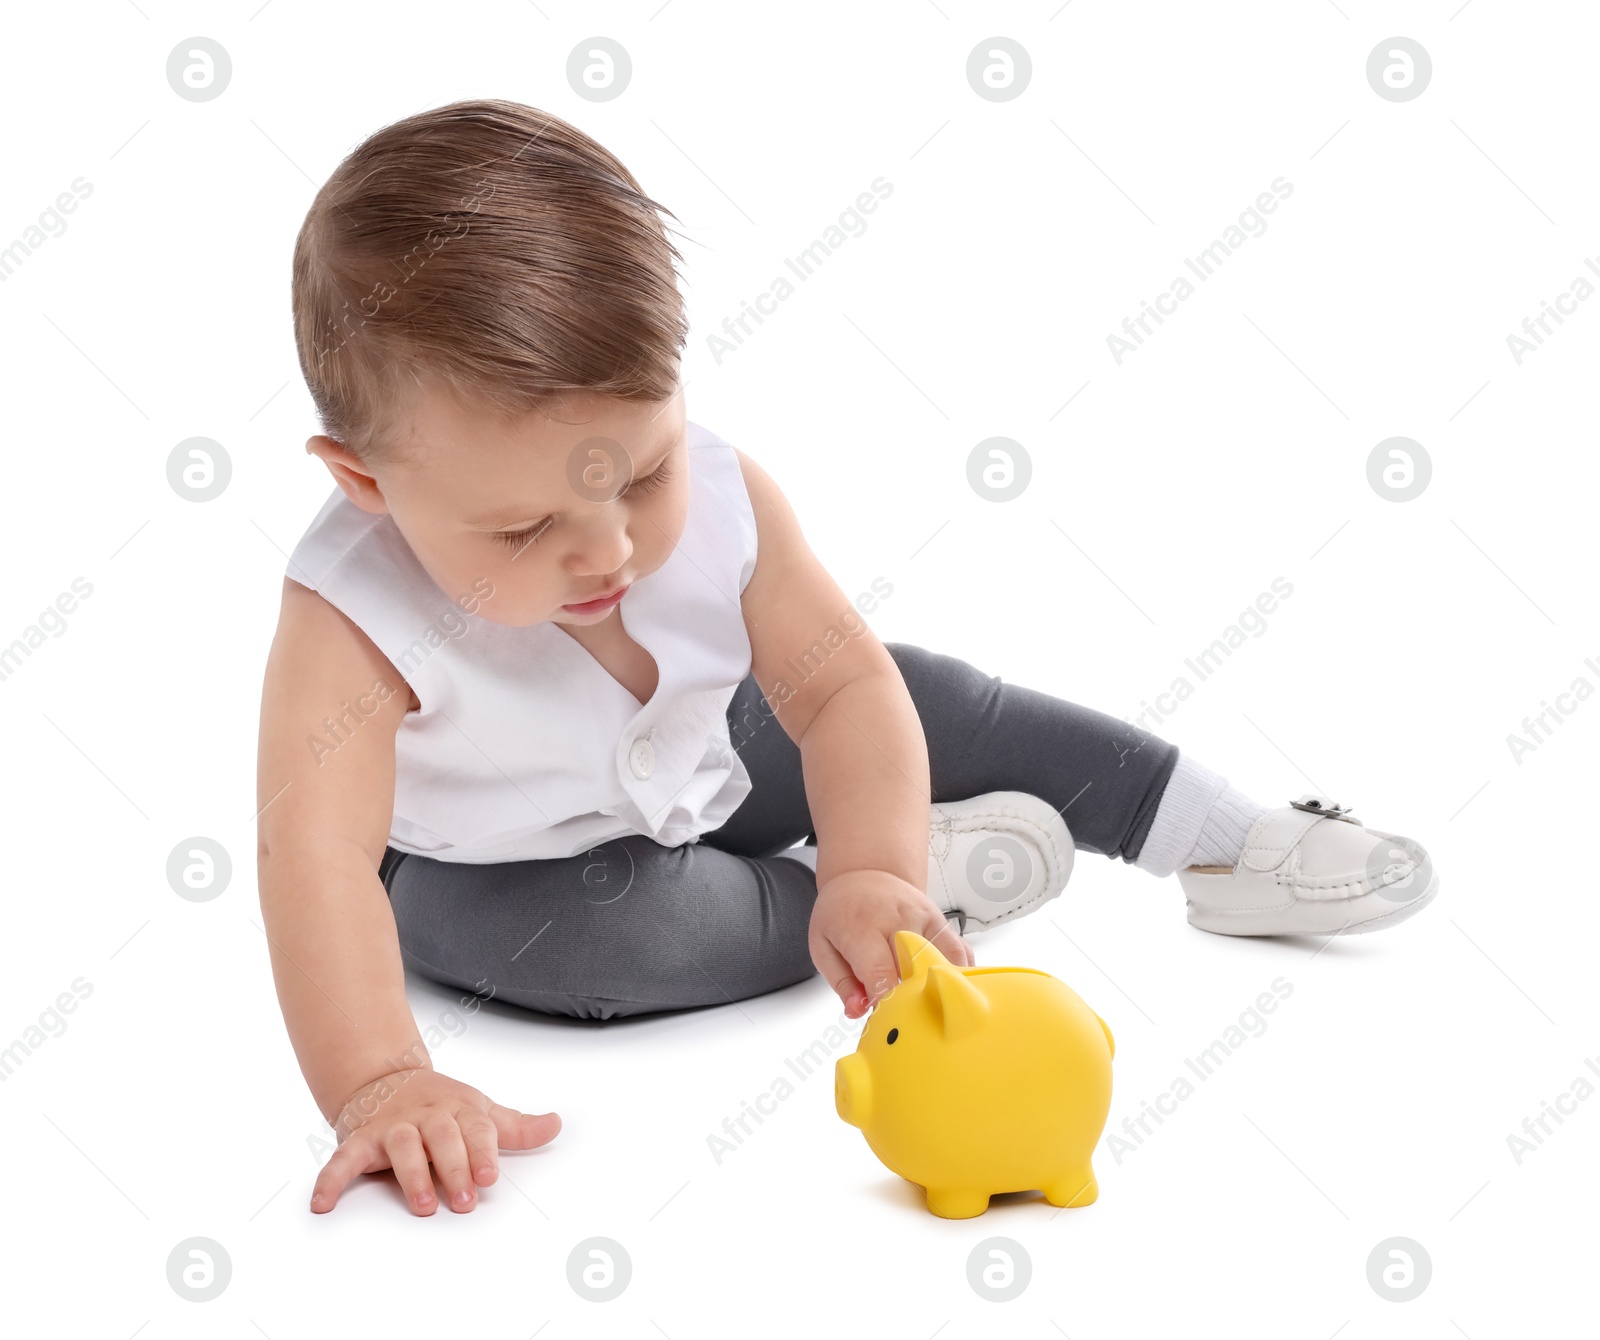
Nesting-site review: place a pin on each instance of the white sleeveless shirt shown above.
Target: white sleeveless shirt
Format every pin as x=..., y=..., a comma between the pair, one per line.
x=525, y=747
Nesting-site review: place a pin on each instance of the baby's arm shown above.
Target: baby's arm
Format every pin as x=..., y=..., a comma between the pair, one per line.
x=863, y=757
x=321, y=833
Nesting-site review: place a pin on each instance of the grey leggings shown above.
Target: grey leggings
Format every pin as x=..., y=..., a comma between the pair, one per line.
x=633, y=927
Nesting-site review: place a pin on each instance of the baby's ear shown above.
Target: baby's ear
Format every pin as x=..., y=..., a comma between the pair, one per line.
x=349, y=472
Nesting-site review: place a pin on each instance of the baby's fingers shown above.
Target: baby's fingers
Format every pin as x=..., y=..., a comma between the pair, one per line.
x=942, y=935
x=403, y=1144
x=447, y=1150
x=523, y=1130
x=838, y=974
x=349, y=1161
x=482, y=1138
x=871, y=959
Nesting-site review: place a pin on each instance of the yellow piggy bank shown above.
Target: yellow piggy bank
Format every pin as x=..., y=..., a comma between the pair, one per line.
x=971, y=1082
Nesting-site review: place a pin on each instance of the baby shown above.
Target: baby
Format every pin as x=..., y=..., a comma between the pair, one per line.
x=562, y=710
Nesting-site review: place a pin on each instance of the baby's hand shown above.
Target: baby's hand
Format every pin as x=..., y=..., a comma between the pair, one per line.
x=410, y=1118
x=852, y=934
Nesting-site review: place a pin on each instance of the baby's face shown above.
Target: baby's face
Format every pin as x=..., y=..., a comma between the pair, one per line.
x=552, y=513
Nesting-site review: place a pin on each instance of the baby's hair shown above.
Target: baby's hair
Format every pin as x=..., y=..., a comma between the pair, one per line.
x=493, y=247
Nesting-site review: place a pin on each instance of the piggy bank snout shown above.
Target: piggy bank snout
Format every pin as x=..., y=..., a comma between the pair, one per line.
x=852, y=1089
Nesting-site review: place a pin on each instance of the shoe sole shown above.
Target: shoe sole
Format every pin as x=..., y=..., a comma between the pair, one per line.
x=1016, y=814
x=1310, y=917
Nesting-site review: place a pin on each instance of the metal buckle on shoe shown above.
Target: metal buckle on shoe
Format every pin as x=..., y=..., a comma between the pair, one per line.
x=1325, y=806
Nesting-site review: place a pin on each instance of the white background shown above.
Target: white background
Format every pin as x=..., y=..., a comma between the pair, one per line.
x=1231, y=449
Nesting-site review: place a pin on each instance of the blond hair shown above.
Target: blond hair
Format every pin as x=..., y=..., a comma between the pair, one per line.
x=494, y=247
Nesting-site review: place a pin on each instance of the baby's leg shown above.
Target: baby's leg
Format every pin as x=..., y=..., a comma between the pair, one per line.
x=1121, y=791
x=1103, y=776
x=631, y=927
x=1310, y=869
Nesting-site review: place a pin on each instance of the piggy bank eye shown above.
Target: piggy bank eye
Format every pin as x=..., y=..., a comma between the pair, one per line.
x=893, y=1034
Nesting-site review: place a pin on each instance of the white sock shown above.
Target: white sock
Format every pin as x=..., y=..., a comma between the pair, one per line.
x=1201, y=821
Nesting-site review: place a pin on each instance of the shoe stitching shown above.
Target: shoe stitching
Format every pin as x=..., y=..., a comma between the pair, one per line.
x=1042, y=897
x=1207, y=908
x=1042, y=837
x=1298, y=889
x=1362, y=882
x=1351, y=927
x=1045, y=894
x=1312, y=884
x=1242, y=911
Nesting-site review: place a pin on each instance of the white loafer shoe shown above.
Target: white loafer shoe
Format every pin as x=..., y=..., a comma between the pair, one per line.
x=1310, y=868
x=995, y=857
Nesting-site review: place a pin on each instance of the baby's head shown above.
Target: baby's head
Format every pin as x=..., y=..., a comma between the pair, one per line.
x=487, y=317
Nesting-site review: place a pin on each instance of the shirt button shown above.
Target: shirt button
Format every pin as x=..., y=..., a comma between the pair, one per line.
x=642, y=759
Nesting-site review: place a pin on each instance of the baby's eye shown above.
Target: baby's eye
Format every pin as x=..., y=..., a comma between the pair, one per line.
x=650, y=483
x=520, y=539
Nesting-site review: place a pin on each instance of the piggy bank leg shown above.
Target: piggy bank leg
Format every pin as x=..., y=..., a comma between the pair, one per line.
x=1078, y=1189
x=957, y=1203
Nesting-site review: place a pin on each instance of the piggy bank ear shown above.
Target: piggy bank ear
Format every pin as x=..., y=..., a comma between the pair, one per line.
x=958, y=1004
x=914, y=955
